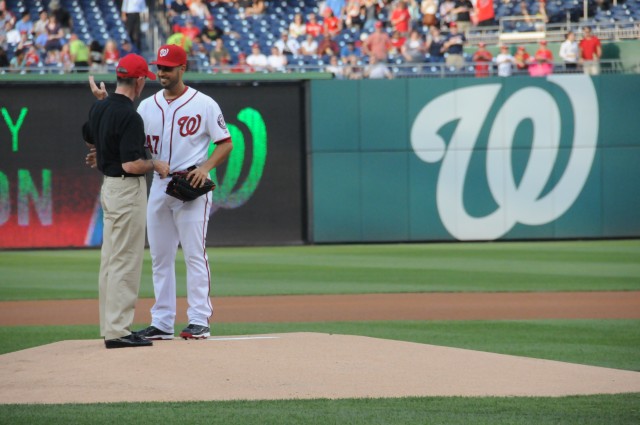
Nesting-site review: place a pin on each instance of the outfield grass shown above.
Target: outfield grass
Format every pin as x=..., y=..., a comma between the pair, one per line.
x=480, y=267
x=603, y=409
x=343, y=269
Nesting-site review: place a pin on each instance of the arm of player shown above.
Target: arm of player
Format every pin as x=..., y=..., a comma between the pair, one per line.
x=200, y=174
x=142, y=166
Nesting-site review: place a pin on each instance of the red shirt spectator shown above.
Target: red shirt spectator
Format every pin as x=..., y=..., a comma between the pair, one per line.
x=313, y=26
x=522, y=58
x=590, y=47
x=332, y=24
x=401, y=18
x=482, y=57
x=242, y=67
x=378, y=43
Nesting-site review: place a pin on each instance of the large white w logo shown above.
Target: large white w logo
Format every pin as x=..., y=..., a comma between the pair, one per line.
x=521, y=203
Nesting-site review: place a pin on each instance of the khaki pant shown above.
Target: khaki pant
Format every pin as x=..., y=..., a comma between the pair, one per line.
x=124, y=204
x=591, y=67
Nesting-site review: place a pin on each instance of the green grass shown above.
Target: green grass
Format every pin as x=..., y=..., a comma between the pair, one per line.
x=602, y=409
x=478, y=267
x=607, y=343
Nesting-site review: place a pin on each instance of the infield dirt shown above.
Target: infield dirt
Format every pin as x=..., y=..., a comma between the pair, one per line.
x=307, y=365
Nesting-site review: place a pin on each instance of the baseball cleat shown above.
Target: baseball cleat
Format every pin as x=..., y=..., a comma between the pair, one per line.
x=195, y=332
x=153, y=333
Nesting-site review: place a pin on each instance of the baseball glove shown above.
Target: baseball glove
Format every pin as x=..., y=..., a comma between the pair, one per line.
x=179, y=187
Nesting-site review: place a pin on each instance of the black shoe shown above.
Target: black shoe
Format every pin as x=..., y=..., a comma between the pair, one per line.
x=127, y=341
x=153, y=333
x=195, y=332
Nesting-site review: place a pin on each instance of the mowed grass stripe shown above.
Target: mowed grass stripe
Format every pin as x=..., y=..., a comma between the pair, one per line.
x=343, y=269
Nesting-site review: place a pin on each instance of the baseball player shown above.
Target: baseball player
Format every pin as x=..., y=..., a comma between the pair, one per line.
x=179, y=124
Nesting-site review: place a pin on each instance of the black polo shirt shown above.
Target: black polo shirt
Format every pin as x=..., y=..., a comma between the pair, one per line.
x=117, y=131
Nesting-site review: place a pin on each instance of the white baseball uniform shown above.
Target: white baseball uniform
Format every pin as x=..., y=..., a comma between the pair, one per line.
x=180, y=132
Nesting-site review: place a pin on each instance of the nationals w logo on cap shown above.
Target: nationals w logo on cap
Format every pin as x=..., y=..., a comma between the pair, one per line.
x=171, y=55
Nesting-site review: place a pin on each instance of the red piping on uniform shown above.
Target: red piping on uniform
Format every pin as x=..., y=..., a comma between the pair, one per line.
x=161, y=110
x=204, y=251
x=173, y=120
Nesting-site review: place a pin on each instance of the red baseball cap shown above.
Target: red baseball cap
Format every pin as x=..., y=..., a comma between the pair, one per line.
x=134, y=66
x=171, y=55
x=543, y=42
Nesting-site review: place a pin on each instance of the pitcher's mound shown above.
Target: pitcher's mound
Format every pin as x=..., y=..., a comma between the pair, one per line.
x=286, y=366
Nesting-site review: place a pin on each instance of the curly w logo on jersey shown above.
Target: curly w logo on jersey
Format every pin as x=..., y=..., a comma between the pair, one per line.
x=189, y=125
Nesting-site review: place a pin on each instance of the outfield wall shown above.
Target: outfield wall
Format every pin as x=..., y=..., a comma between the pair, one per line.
x=475, y=159
x=326, y=161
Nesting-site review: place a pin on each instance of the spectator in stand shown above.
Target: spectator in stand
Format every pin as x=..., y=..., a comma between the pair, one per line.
x=40, y=26
x=350, y=49
x=111, y=54
x=505, y=62
x=539, y=67
x=338, y=7
x=569, y=51
x=288, y=46
x=331, y=24
x=199, y=48
x=257, y=8
x=297, y=28
x=453, y=47
x=400, y=18
x=177, y=8
x=131, y=12
x=377, y=70
x=32, y=57
x=17, y=63
x=355, y=15
x=447, y=16
x=6, y=14
x=62, y=15
x=4, y=58
x=414, y=48
x=65, y=60
x=96, y=58
x=242, y=67
x=353, y=69
x=371, y=15
x=335, y=68
x=590, y=52
x=24, y=25
x=522, y=59
x=328, y=46
x=429, y=10
x=199, y=9
x=397, y=41
x=211, y=32
x=257, y=60
x=463, y=9
x=482, y=58
x=276, y=61
x=413, y=6
x=219, y=56
x=181, y=40
x=378, y=43
x=12, y=36
x=189, y=29
x=544, y=56
x=41, y=40
x=55, y=35
x=435, y=45
x=79, y=53
x=313, y=27
x=126, y=47
x=309, y=46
